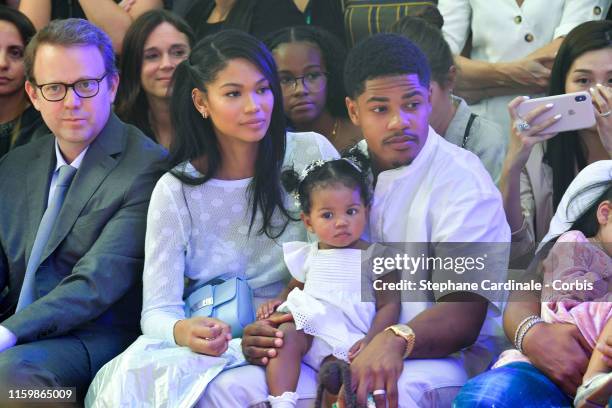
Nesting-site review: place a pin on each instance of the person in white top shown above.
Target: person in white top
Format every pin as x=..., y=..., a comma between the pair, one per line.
x=426, y=190
x=219, y=213
x=513, y=45
x=329, y=318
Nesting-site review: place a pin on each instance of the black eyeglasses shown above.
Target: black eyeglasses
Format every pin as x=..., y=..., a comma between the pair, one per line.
x=313, y=81
x=84, y=88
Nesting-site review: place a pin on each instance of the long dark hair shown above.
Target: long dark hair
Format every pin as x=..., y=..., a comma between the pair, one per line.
x=195, y=136
x=565, y=152
x=20, y=21
x=587, y=221
x=430, y=40
x=26, y=31
x=240, y=16
x=132, y=105
x=333, y=54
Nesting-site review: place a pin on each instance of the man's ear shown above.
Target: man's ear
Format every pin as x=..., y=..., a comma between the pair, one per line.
x=604, y=212
x=31, y=91
x=307, y=222
x=353, y=111
x=200, y=102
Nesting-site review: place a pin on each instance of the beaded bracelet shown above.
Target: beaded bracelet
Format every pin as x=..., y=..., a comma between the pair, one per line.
x=524, y=330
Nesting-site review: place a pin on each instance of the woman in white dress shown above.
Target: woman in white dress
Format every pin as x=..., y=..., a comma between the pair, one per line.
x=219, y=213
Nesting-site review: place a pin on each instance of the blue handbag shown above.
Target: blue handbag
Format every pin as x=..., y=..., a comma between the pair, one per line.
x=230, y=301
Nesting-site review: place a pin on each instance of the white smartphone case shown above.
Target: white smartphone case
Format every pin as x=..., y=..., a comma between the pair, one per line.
x=576, y=111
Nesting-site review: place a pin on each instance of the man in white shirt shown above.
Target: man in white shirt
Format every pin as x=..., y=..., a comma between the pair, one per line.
x=426, y=190
x=72, y=219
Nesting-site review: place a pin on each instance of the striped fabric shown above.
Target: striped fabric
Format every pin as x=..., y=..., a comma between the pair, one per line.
x=363, y=18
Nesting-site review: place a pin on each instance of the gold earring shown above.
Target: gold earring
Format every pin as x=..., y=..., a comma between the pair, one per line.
x=205, y=115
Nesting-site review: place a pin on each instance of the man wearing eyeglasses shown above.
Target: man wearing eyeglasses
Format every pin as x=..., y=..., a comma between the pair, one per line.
x=72, y=220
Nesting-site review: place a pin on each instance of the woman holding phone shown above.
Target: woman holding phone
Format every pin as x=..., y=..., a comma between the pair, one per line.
x=539, y=168
x=540, y=165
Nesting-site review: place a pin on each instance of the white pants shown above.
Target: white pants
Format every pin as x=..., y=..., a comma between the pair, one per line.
x=423, y=384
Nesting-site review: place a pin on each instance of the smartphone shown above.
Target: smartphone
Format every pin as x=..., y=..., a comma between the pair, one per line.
x=576, y=110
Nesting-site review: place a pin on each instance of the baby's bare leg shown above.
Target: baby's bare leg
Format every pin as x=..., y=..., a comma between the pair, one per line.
x=283, y=371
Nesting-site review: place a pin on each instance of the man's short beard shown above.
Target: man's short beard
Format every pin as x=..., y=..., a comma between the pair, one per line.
x=395, y=165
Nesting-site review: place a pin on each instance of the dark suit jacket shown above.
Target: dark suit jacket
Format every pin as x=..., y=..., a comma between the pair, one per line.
x=89, y=281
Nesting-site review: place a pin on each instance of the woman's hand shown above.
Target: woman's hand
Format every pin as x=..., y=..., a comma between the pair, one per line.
x=602, y=102
x=266, y=309
x=523, y=139
x=203, y=335
x=531, y=71
x=560, y=351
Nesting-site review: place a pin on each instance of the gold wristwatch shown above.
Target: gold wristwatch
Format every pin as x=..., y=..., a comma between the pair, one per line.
x=405, y=332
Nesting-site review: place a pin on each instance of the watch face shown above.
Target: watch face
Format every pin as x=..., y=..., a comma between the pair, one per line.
x=402, y=328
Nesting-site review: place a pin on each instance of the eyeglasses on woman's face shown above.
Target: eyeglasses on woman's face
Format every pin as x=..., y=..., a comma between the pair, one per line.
x=313, y=81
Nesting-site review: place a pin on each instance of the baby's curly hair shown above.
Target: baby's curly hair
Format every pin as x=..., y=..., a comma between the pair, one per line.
x=351, y=171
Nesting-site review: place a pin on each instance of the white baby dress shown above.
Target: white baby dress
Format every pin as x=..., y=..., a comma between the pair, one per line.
x=330, y=308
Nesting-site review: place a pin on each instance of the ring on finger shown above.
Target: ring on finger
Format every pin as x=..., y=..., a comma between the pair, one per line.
x=379, y=392
x=606, y=114
x=522, y=125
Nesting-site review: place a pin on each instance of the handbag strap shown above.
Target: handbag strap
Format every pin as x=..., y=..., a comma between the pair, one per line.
x=466, y=134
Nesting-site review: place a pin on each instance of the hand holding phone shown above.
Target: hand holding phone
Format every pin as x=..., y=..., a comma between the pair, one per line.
x=576, y=110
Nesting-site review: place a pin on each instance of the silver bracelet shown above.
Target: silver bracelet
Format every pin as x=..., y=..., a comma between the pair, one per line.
x=524, y=330
x=520, y=327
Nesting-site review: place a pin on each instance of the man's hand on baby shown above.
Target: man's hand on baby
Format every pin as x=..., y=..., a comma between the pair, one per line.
x=261, y=338
x=266, y=309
